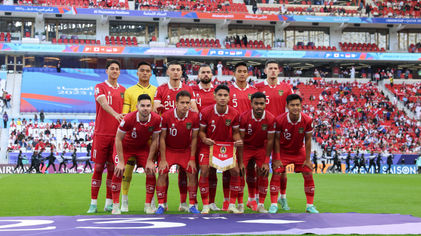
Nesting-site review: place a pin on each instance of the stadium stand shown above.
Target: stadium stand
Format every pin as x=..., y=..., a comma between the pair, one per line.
x=5, y=37
x=123, y=41
x=115, y=4
x=202, y=6
x=410, y=94
x=355, y=115
x=360, y=47
x=204, y=43
x=311, y=47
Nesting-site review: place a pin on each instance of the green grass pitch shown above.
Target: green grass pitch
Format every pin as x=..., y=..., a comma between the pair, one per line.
x=69, y=194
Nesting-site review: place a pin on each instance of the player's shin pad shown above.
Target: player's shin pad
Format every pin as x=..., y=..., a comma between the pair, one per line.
x=127, y=176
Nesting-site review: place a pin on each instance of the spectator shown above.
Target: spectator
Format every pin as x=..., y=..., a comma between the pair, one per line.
x=58, y=66
x=5, y=119
x=41, y=116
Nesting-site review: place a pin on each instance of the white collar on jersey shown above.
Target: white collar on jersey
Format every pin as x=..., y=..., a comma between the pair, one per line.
x=179, y=87
x=247, y=86
x=118, y=85
x=138, y=120
x=266, y=83
x=216, y=112
x=254, y=118
x=206, y=90
x=289, y=120
x=175, y=114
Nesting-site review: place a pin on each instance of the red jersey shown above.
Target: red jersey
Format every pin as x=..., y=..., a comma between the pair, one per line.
x=138, y=133
x=40, y=146
x=106, y=124
x=240, y=98
x=219, y=126
x=167, y=94
x=256, y=130
x=204, y=97
x=179, y=133
x=276, y=96
x=292, y=134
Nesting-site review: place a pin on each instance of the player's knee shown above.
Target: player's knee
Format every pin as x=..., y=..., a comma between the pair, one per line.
x=127, y=178
x=235, y=172
x=98, y=168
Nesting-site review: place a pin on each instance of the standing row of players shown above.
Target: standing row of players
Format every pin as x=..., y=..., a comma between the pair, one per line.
x=129, y=131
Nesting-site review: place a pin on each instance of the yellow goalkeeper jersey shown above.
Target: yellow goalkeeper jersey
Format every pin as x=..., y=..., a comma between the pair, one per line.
x=131, y=94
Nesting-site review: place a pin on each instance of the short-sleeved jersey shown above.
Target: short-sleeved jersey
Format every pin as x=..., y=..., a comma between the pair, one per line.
x=131, y=94
x=167, y=95
x=276, y=96
x=292, y=135
x=240, y=98
x=106, y=124
x=256, y=130
x=179, y=131
x=219, y=126
x=204, y=97
x=138, y=133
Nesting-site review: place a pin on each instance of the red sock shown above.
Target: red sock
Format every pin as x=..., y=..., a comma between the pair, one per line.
x=96, y=180
x=116, y=187
x=110, y=174
x=226, y=177
x=234, y=188
x=283, y=185
x=251, y=178
x=161, y=192
x=182, y=185
x=166, y=188
x=240, y=194
x=274, y=188
x=263, y=188
x=192, y=194
x=213, y=181
x=150, y=187
x=204, y=189
x=309, y=188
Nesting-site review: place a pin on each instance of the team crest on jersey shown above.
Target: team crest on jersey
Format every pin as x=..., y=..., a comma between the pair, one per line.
x=188, y=125
x=301, y=130
x=227, y=122
x=122, y=95
x=223, y=150
x=281, y=92
x=249, y=96
x=264, y=127
x=150, y=129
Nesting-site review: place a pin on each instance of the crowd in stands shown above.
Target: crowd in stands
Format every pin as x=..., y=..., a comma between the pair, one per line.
x=355, y=116
x=397, y=8
x=223, y=6
x=6, y=98
x=409, y=94
x=413, y=48
x=58, y=135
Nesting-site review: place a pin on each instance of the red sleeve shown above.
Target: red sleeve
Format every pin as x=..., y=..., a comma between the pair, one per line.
x=309, y=125
x=157, y=127
x=203, y=119
x=195, y=124
x=272, y=125
x=158, y=94
x=164, y=122
x=99, y=91
x=236, y=121
x=190, y=90
x=277, y=125
x=125, y=124
x=243, y=122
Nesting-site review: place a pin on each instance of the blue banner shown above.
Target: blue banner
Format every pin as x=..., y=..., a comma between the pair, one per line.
x=70, y=91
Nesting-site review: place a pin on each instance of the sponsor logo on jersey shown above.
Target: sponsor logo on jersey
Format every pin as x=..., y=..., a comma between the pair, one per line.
x=188, y=125
x=227, y=122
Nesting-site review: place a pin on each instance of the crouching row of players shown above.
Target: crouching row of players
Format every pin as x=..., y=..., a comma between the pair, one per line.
x=184, y=138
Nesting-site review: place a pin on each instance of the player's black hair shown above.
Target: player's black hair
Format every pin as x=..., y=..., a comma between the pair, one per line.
x=221, y=86
x=292, y=97
x=271, y=62
x=113, y=62
x=143, y=63
x=174, y=63
x=203, y=66
x=240, y=64
x=257, y=95
x=144, y=97
x=182, y=93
